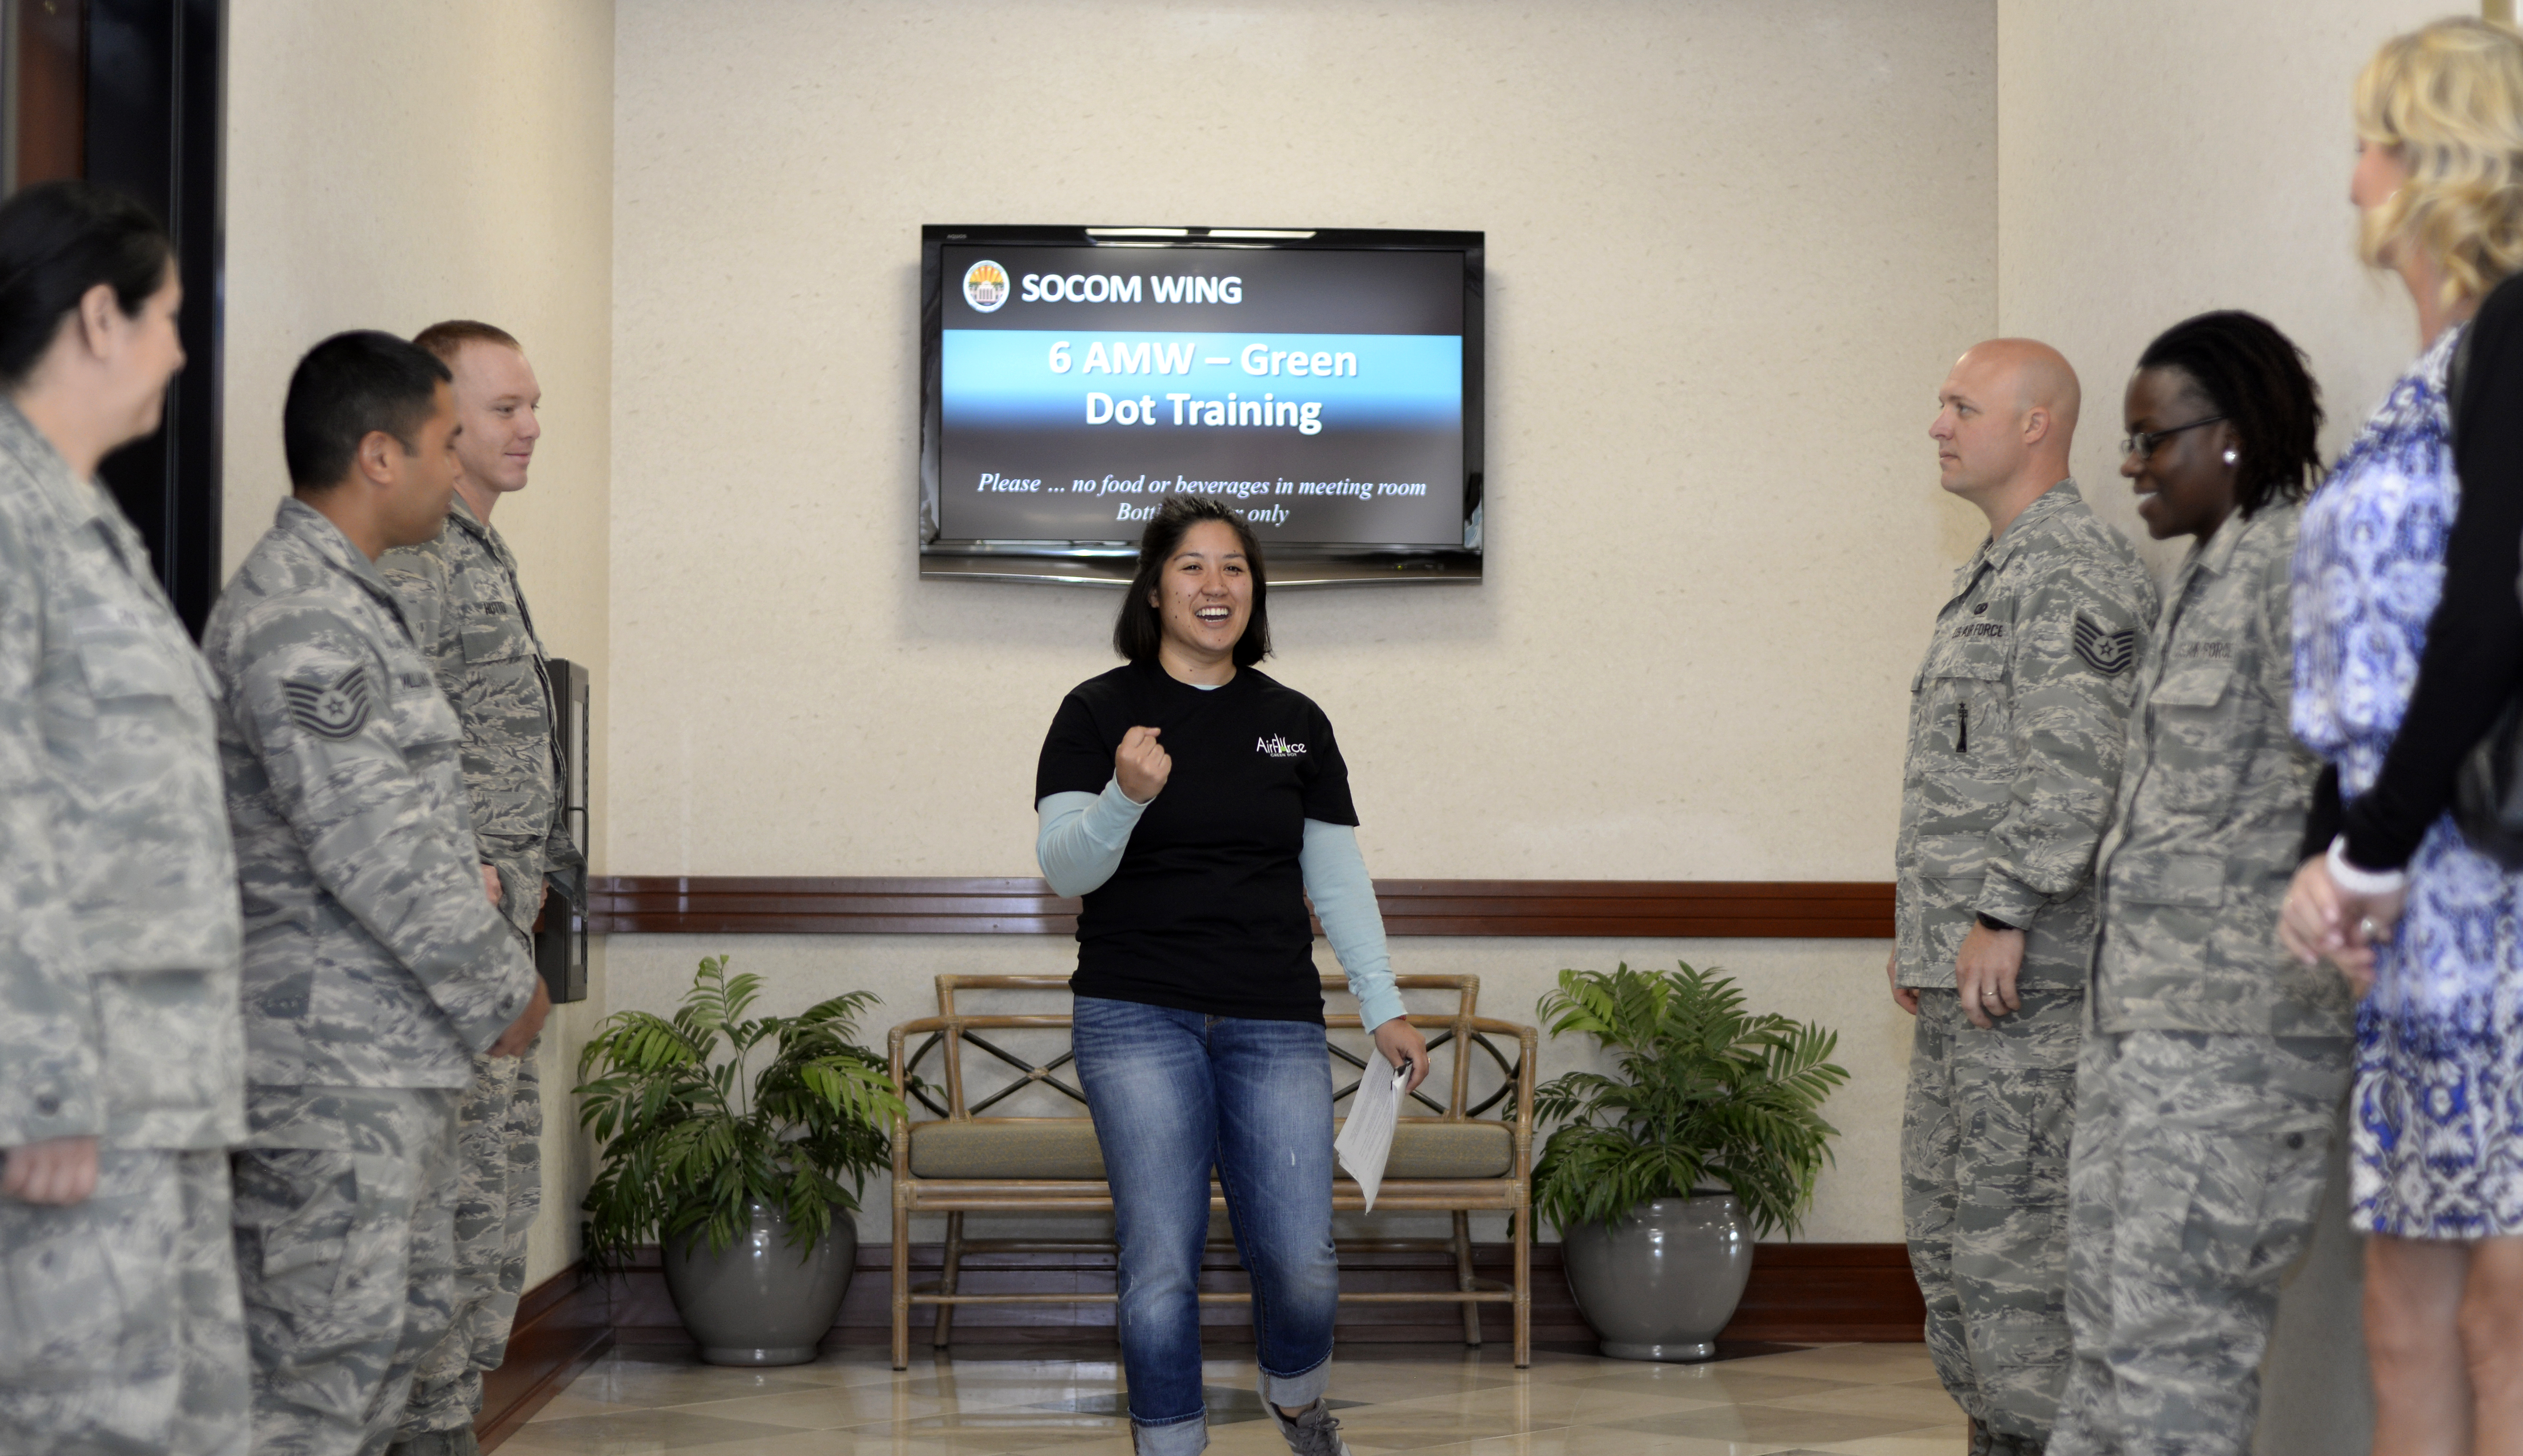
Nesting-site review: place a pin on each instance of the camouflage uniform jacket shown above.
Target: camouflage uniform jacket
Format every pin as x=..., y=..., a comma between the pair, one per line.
x=118, y=889
x=2017, y=723
x=2212, y=807
x=459, y=593
x=372, y=957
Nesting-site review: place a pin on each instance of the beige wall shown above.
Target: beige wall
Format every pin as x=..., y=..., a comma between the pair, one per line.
x=393, y=165
x=1731, y=248
x=2158, y=158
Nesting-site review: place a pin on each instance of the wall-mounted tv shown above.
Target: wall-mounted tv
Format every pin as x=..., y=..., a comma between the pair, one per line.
x=1326, y=382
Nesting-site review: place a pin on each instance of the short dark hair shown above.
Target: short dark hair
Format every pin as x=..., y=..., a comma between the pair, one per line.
x=448, y=338
x=348, y=385
x=1140, y=629
x=2252, y=375
x=57, y=241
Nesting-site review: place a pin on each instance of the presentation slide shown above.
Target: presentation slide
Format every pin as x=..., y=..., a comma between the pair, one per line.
x=1321, y=392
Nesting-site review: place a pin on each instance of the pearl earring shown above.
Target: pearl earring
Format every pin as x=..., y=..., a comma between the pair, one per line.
x=2231, y=457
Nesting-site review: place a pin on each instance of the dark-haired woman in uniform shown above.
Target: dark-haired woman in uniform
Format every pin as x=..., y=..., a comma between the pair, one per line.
x=1196, y=805
x=2214, y=1061
x=122, y=1054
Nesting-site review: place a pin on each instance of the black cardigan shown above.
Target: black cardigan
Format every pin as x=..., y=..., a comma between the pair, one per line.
x=2474, y=650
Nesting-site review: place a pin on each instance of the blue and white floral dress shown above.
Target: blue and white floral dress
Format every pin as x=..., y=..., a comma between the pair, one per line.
x=2437, y=1137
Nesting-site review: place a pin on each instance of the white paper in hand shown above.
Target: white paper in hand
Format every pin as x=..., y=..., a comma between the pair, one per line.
x=1366, y=1138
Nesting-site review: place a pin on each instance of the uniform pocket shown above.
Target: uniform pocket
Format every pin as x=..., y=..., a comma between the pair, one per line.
x=325, y=1238
x=2175, y=879
x=1969, y=662
x=2210, y=733
x=298, y=1208
x=487, y=637
x=1966, y=710
x=120, y=662
x=2202, y=685
x=2253, y=1208
x=2015, y=1139
x=423, y=719
x=84, y=1289
x=376, y=1258
x=1952, y=856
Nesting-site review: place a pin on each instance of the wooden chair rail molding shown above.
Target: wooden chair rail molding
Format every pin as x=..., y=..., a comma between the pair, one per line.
x=739, y=905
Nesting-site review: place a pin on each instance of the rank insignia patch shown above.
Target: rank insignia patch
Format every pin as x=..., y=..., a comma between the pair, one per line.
x=2109, y=653
x=330, y=710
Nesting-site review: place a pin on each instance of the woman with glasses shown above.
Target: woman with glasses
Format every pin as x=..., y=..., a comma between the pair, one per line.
x=2213, y=1063
x=2409, y=638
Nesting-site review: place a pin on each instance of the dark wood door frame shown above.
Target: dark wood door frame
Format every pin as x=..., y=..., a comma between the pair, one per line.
x=156, y=127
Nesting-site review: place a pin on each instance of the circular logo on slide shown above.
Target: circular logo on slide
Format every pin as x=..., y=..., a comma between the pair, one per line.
x=985, y=286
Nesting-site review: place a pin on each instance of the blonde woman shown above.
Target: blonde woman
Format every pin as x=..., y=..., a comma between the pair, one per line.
x=2408, y=638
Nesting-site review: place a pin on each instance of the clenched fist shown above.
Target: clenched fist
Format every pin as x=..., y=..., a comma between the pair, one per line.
x=1140, y=765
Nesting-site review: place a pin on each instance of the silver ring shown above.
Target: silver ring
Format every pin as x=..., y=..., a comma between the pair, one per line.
x=2366, y=929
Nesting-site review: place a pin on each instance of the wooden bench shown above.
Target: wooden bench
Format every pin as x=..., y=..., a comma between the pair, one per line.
x=1468, y=1153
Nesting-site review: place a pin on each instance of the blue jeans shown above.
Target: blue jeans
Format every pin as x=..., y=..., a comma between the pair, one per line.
x=1173, y=1092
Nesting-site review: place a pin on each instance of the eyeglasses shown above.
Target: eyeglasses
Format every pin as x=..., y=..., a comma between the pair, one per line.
x=2142, y=444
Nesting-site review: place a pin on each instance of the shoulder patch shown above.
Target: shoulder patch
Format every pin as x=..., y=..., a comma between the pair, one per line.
x=2107, y=652
x=330, y=710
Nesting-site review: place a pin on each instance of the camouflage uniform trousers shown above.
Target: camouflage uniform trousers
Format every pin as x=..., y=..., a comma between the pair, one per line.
x=2194, y=1184
x=500, y=1172
x=1984, y=1201
x=345, y=1243
x=119, y=1330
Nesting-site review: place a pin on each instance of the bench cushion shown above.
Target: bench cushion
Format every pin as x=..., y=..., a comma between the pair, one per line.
x=1062, y=1148
x=1449, y=1150
x=1054, y=1148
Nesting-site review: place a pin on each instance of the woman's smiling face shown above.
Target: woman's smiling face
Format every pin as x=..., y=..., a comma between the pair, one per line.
x=2185, y=485
x=1205, y=597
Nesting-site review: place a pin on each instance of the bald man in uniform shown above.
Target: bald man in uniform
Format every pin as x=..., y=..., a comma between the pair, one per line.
x=2017, y=720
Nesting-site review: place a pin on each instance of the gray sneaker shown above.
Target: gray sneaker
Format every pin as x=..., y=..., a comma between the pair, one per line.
x=1314, y=1432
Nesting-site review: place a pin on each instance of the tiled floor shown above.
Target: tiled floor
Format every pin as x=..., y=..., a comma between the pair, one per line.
x=1442, y=1400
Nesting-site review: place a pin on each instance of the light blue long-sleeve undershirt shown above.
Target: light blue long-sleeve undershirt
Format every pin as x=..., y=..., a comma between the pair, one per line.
x=1082, y=836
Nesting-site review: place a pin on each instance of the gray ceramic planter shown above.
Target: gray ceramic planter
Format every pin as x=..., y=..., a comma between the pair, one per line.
x=1660, y=1284
x=756, y=1303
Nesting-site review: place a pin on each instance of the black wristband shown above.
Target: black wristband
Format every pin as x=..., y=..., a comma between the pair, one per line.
x=1992, y=922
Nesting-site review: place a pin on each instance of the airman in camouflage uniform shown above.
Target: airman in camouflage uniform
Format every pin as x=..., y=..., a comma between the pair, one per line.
x=2215, y=1063
x=2015, y=732
x=119, y=1328
x=375, y=969
x=469, y=617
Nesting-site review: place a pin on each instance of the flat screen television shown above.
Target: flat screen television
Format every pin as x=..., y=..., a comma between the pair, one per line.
x=1325, y=383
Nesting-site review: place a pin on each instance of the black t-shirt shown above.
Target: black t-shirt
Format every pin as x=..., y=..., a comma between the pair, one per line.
x=1207, y=911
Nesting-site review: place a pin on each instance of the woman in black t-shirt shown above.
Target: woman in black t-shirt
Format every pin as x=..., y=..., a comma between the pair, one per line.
x=1195, y=803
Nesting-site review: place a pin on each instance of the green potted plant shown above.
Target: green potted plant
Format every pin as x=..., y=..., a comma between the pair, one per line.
x=728, y=1140
x=1709, y=1134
